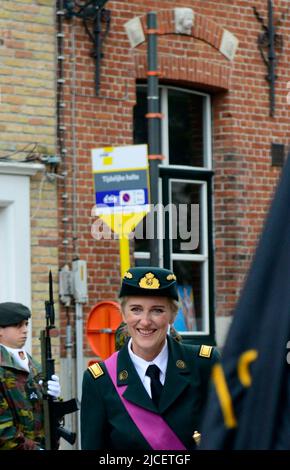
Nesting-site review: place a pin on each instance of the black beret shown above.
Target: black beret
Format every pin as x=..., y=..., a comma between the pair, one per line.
x=151, y=281
x=12, y=313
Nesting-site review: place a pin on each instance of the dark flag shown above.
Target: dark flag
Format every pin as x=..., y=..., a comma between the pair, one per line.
x=249, y=406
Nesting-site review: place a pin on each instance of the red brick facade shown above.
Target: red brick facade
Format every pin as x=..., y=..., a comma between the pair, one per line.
x=242, y=128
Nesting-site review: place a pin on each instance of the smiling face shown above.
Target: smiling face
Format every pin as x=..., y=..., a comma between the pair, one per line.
x=14, y=336
x=147, y=319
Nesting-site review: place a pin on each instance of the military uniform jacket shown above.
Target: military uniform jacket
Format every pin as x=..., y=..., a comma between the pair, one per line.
x=105, y=423
x=21, y=412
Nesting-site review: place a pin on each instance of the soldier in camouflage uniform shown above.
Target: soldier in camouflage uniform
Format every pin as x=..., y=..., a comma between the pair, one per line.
x=21, y=411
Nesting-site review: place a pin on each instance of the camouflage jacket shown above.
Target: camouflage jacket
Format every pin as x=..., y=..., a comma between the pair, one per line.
x=21, y=411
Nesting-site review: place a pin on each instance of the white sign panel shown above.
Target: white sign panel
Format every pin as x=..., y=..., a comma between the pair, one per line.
x=121, y=179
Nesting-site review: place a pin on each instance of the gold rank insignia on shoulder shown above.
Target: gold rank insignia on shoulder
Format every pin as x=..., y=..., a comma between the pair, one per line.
x=96, y=370
x=205, y=351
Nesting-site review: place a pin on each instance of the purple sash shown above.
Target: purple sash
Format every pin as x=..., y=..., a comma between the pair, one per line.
x=152, y=426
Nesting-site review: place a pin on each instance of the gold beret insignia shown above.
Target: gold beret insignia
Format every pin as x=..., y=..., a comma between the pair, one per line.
x=149, y=281
x=128, y=275
x=171, y=277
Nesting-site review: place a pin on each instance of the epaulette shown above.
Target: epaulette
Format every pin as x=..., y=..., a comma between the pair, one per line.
x=96, y=370
x=205, y=351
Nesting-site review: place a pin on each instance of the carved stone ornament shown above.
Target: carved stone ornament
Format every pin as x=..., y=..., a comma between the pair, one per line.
x=135, y=32
x=183, y=20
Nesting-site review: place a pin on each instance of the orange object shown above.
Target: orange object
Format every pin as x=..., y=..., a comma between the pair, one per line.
x=103, y=321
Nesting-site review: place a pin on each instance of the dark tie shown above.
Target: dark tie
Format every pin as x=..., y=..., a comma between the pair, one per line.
x=156, y=387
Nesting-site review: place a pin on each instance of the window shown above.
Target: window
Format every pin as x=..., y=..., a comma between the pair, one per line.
x=183, y=219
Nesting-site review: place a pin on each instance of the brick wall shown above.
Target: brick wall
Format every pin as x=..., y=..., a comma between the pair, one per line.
x=27, y=126
x=243, y=130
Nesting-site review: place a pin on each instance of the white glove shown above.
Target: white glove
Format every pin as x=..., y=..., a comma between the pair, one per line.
x=53, y=386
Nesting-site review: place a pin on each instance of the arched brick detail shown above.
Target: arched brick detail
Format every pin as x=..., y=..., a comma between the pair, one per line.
x=196, y=71
x=203, y=28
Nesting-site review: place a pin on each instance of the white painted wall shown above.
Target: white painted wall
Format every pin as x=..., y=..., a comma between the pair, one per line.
x=15, y=258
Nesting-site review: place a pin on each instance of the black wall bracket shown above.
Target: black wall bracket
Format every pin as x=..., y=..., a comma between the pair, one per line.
x=96, y=20
x=270, y=43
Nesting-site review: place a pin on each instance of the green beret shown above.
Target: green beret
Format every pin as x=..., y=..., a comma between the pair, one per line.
x=147, y=280
x=12, y=313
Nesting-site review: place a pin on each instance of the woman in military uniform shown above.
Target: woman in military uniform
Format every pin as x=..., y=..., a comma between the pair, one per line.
x=151, y=393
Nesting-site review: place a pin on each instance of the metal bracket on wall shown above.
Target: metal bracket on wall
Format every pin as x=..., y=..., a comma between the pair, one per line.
x=269, y=42
x=96, y=20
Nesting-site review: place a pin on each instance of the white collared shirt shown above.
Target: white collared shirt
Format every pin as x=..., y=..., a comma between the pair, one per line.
x=141, y=365
x=22, y=363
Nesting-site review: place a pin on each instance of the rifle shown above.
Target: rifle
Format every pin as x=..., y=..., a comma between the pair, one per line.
x=54, y=411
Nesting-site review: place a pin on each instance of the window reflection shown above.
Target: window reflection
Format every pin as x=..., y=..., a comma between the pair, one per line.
x=189, y=223
x=189, y=277
x=185, y=120
x=140, y=122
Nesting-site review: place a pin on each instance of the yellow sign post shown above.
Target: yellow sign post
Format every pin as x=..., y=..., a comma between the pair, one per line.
x=121, y=181
x=123, y=225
